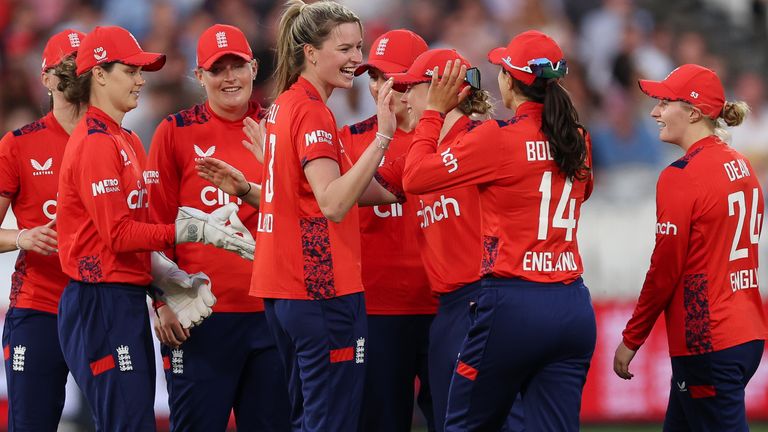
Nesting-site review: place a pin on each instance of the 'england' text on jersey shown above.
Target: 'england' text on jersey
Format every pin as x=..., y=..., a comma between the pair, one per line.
x=546, y=262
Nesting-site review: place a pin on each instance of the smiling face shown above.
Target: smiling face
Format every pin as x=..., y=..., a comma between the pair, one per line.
x=415, y=99
x=228, y=85
x=123, y=84
x=673, y=119
x=334, y=63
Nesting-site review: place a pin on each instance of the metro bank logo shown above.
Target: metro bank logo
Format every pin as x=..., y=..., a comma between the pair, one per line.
x=105, y=186
x=318, y=136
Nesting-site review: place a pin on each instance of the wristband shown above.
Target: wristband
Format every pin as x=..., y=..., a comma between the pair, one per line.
x=246, y=192
x=18, y=237
x=381, y=135
x=380, y=143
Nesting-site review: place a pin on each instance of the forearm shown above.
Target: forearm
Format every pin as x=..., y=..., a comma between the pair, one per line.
x=253, y=197
x=8, y=239
x=343, y=192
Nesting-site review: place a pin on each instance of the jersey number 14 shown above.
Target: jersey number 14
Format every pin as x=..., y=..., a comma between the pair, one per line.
x=559, y=221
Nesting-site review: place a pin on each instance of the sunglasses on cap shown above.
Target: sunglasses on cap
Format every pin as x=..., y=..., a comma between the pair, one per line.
x=472, y=78
x=541, y=67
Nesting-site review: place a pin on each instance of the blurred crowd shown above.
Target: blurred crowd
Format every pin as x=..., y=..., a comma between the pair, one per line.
x=609, y=44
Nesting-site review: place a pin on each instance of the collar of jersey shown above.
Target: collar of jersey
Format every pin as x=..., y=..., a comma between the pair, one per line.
x=460, y=125
x=309, y=87
x=253, y=111
x=529, y=108
x=704, y=142
x=54, y=124
x=112, y=125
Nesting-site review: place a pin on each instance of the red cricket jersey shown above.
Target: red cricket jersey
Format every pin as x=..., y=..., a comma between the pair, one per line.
x=30, y=158
x=703, y=274
x=103, y=207
x=393, y=275
x=299, y=253
x=173, y=182
x=451, y=249
x=529, y=212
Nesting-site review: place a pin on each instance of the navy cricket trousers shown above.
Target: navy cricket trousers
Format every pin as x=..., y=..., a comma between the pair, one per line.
x=707, y=393
x=230, y=362
x=322, y=344
x=107, y=344
x=447, y=334
x=526, y=338
x=35, y=370
x=396, y=355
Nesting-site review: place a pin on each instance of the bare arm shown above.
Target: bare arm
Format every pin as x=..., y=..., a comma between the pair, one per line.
x=376, y=194
x=336, y=193
x=40, y=239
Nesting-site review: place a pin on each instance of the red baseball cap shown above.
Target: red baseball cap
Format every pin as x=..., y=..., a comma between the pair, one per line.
x=690, y=83
x=423, y=67
x=530, y=54
x=59, y=46
x=115, y=44
x=393, y=52
x=219, y=40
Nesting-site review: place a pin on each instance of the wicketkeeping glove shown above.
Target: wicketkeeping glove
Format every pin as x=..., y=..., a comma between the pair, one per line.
x=221, y=228
x=188, y=296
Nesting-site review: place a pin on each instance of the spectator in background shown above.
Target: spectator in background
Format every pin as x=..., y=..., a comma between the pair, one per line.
x=751, y=137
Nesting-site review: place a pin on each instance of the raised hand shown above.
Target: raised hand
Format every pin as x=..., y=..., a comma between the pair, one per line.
x=41, y=239
x=385, y=112
x=222, y=175
x=445, y=93
x=256, y=133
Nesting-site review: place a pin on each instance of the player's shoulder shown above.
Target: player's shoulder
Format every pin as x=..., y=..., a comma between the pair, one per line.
x=365, y=126
x=195, y=115
x=30, y=131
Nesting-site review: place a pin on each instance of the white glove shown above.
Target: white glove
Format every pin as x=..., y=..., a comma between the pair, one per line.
x=221, y=228
x=188, y=296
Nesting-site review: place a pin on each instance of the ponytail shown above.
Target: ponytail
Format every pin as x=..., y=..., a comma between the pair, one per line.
x=303, y=24
x=560, y=123
x=66, y=72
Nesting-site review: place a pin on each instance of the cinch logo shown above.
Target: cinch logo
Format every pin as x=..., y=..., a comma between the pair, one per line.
x=437, y=211
x=666, y=228
x=137, y=198
x=100, y=54
x=449, y=160
x=151, y=177
x=694, y=95
x=382, y=47
x=49, y=209
x=215, y=197
x=44, y=169
x=105, y=186
x=74, y=40
x=318, y=136
x=395, y=210
x=201, y=154
x=221, y=39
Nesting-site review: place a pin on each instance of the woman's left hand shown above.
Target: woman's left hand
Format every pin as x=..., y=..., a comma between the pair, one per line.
x=445, y=93
x=621, y=361
x=223, y=175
